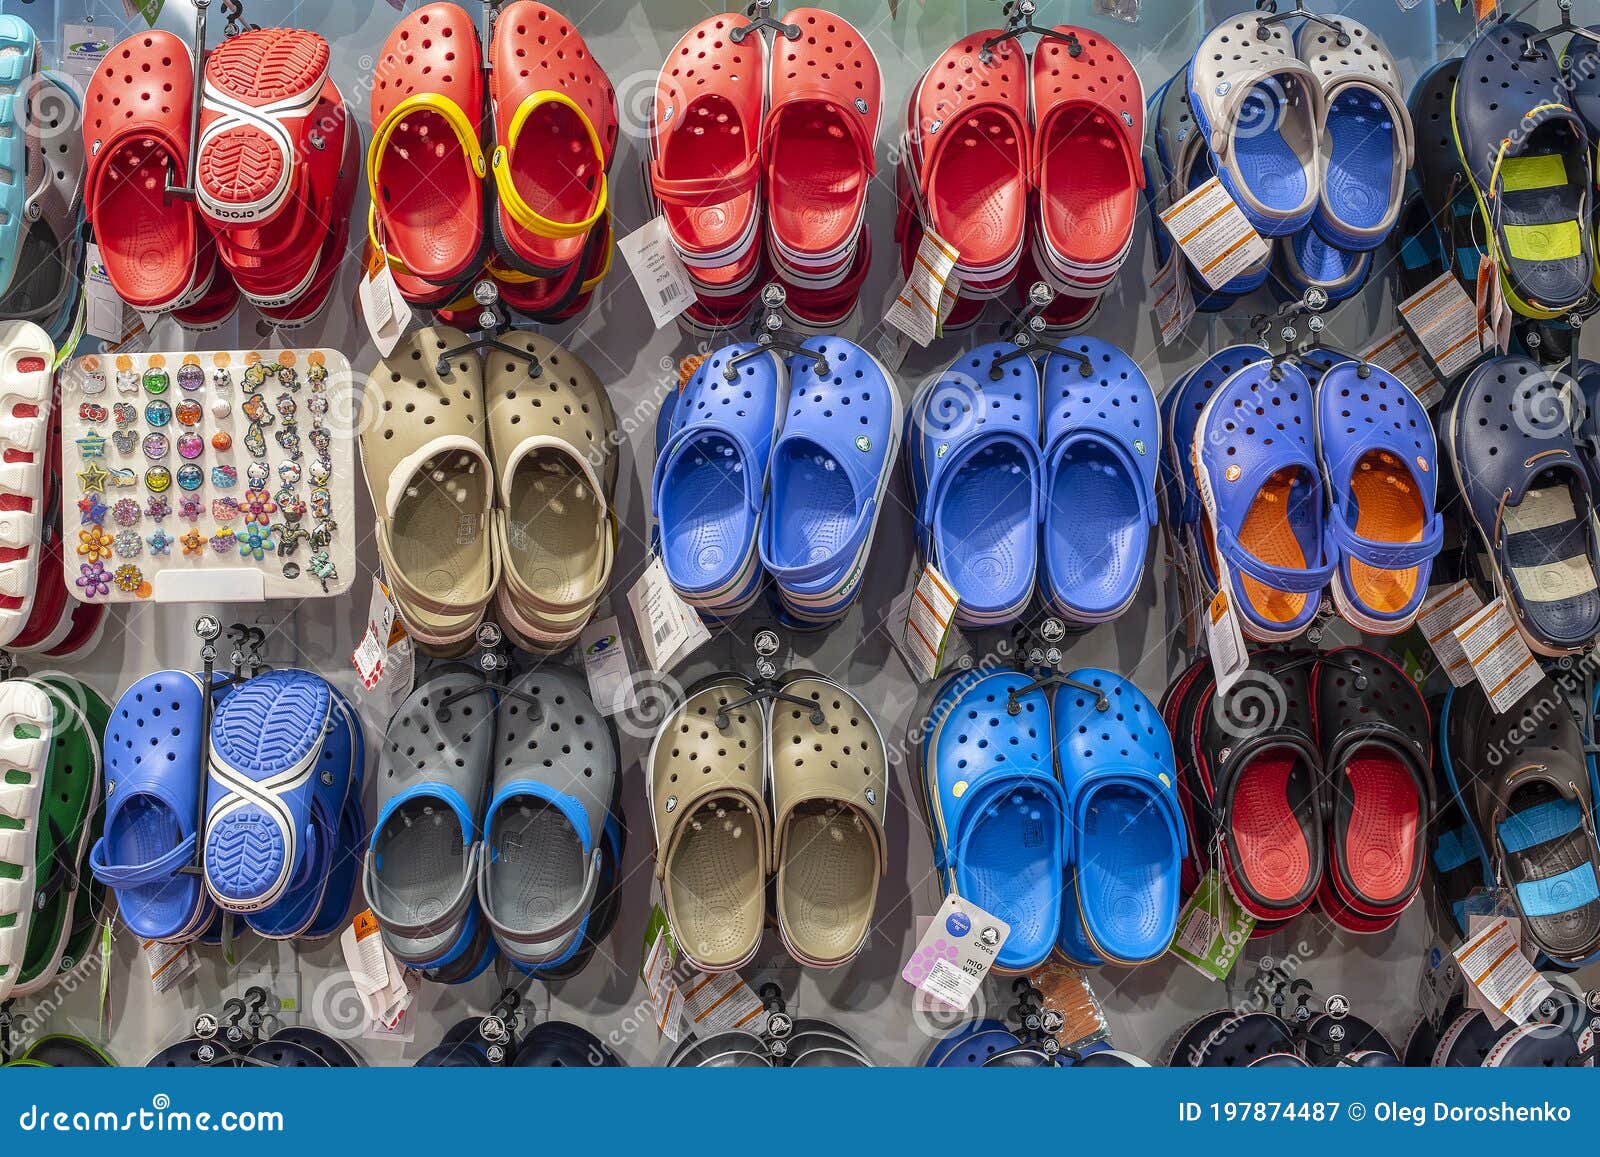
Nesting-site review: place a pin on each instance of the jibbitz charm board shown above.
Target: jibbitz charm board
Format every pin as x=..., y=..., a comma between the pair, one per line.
x=216, y=477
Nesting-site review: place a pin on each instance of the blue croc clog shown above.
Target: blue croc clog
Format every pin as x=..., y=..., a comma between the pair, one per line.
x=1126, y=824
x=1180, y=414
x=1258, y=106
x=830, y=468
x=972, y=1045
x=1102, y=439
x=335, y=773
x=1307, y=261
x=710, y=478
x=995, y=806
x=1380, y=466
x=154, y=783
x=1255, y=463
x=1365, y=133
x=972, y=452
x=1529, y=160
x=1516, y=463
x=265, y=741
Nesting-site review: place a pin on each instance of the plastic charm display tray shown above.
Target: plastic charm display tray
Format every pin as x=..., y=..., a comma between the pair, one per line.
x=208, y=477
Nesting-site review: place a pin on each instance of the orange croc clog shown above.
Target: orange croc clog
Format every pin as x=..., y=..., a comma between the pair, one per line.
x=555, y=130
x=425, y=163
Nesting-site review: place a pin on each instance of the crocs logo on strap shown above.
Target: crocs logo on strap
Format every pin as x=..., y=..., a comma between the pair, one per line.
x=864, y=444
x=861, y=105
x=1127, y=118
x=671, y=804
x=1223, y=87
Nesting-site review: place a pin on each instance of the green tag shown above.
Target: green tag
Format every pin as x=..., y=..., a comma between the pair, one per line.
x=105, y=973
x=656, y=926
x=149, y=9
x=1212, y=929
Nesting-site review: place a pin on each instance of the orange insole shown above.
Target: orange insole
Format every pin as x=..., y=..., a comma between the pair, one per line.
x=818, y=182
x=1273, y=853
x=1389, y=510
x=978, y=192
x=710, y=143
x=1086, y=194
x=432, y=203
x=1266, y=533
x=1381, y=836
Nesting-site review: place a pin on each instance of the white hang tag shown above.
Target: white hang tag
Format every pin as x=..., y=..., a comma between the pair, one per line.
x=668, y=627
x=928, y=294
x=1214, y=234
x=658, y=269
x=923, y=623
x=1492, y=962
x=1505, y=668
x=607, y=666
x=1224, y=637
x=106, y=316
x=1444, y=321
x=1174, y=298
x=83, y=47
x=387, y=313
x=1398, y=353
x=1442, y=612
x=956, y=952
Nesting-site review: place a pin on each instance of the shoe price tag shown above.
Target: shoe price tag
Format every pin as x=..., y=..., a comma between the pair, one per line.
x=388, y=314
x=956, y=952
x=1444, y=321
x=1225, y=639
x=929, y=293
x=1442, y=612
x=607, y=667
x=1440, y=980
x=170, y=964
x=106, y=316
x=925, y=617
x=668, y=627
x=658, y=269
x=1212, y=929
x=1505, y=668
x=1492, y=962
x=1494, y=316
x=659, y=983
x=83, y=47
x=1213, y=234
x=384, y=659
x=1398, y=354
x=386, y=989
x=1174, y=298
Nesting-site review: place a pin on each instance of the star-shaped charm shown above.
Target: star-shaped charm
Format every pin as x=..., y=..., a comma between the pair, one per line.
x=93, y=478
x=92, y=509
x=193, y=541
x=91, y=445
x=160, y=543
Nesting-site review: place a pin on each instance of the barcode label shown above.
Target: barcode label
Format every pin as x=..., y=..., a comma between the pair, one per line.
x=671, y=294
x=1197, y=932
x=662, y=630
x=658, y=269
x=949, y=984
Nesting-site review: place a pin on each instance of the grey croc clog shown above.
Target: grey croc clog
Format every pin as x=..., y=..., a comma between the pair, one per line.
x=433, y=774
x=555, y=781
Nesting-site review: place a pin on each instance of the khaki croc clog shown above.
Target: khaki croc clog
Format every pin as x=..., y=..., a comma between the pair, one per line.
x=713, y=835
x=829, y=783
x=552, y=436
x=425, y=456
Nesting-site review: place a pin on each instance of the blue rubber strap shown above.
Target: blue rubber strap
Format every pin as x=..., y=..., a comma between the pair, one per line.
x=1279, y=578
x=1387, y=555
x=1453, y=850
x=132, y=875
x=1555, y=895
x=808, y=572
x=1540, y=824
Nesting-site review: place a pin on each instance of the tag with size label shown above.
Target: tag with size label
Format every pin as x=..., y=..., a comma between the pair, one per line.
x=1212, y=929
x=1501, y=661
x=925, y=624
x=1440, y=980
x=956, y=952
x=1398, y=354
x=668, y=627
x=1213, y=234
x=658, y=269
x=1174, y=298
x=1444, y=321
x=384, y=658
x=929, y=293
x=386, y=989
x=170, y=964
x=387, y=313
x=607, y=667
x=1494, y=315
x=1492, y=962
x=1442, y=612
x=1225, y=639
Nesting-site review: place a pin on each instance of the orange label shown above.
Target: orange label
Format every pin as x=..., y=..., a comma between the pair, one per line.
x=1219, y=607
x=365, y=924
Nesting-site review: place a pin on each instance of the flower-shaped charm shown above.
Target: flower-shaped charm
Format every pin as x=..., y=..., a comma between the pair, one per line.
x=93, y=580
x=255, y=542
x=258, y=506
x=125, y=512
x=129, y=544
x=160, y=543
x=94, y=543
x=193, y=541
x=190, y=507
x=129, y=578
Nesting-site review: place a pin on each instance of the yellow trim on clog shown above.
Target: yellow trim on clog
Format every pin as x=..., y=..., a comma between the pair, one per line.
x=460, y=124
x=511, y=200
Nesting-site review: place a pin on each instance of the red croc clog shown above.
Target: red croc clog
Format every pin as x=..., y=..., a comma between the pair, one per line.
x=1088, y=115
x=820, y=138
x=261, y=88
x=555, y=130
x=425, y=163
x=705, y=144
x=135, y=132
